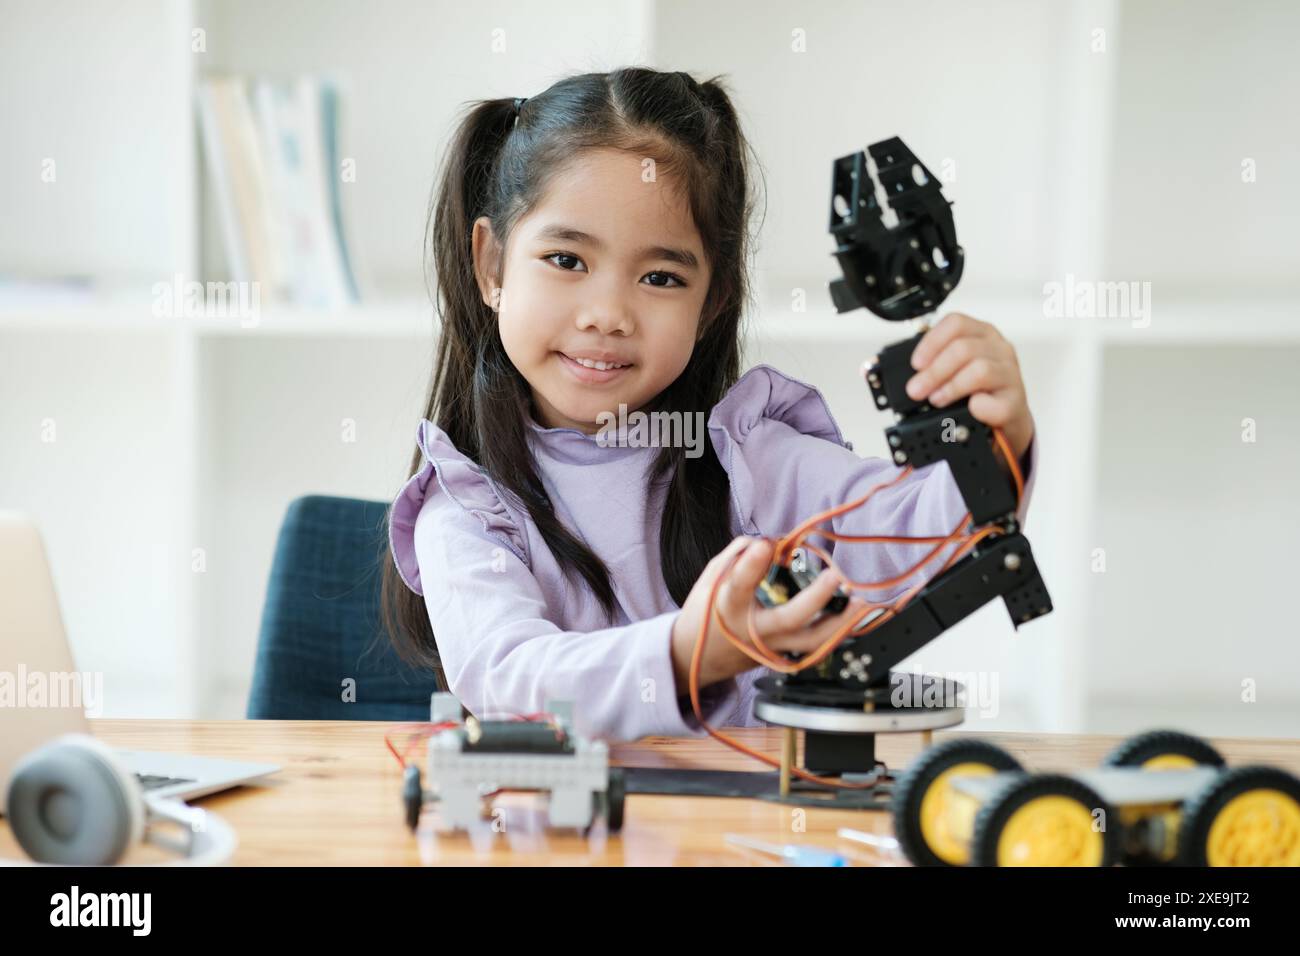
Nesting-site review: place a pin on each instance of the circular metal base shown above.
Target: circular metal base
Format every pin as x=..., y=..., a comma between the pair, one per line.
x=840, y=723
x=910, y=702
x=836, y=720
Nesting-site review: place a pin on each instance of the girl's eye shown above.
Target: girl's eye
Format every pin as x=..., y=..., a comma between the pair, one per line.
x=562, y=258
x=667, y=275
x=562, y=255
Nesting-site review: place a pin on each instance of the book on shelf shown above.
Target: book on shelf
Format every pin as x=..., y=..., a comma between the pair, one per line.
x=272, y=153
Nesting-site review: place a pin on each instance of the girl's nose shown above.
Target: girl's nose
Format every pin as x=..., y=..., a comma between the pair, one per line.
x=608, y=317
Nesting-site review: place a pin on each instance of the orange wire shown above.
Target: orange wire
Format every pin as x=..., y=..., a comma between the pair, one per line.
x=838, y=510
x=797, y=538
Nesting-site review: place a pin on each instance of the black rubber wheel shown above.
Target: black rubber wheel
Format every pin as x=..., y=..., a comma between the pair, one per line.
x=1138, y=749
x=412, y=796
x=911, y=787
x=1013, y=795
x=1151, y=745
x=614, y=799
x=1202, y=808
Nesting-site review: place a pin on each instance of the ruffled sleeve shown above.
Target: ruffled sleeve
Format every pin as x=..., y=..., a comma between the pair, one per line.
x=447, y=471
x=764, y=395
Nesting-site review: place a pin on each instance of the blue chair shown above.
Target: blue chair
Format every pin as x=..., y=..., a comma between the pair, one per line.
x=321, y=622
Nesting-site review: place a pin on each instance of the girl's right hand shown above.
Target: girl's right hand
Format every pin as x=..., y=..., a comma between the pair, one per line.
x=783, y=628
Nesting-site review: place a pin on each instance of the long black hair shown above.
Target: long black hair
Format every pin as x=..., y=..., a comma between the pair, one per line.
x=497, y=166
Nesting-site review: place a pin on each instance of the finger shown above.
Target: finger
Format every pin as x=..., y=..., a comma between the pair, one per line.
x=980, y=374
x=809, y=639
x=803, y=607
x=719, y=560
x=953, y=326
x=955, y=354
x=996, y=409
x=737, y=592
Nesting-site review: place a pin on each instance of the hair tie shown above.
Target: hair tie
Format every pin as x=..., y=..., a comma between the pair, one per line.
x=519, y=104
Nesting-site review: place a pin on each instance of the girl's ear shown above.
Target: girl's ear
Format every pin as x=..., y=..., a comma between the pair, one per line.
x=487, y=262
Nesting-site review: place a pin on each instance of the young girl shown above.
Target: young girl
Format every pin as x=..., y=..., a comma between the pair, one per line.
x=590, y=246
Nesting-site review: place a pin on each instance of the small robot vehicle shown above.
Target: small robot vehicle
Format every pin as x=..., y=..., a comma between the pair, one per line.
x=1160, y=798
x=469, y=760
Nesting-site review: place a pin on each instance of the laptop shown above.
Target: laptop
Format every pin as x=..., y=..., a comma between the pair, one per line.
x=43, y=696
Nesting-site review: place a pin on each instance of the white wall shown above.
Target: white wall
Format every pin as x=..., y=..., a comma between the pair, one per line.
x=98, y=89
x=968, y=84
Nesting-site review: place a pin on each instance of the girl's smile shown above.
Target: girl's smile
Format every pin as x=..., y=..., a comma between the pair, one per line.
x=589, y=370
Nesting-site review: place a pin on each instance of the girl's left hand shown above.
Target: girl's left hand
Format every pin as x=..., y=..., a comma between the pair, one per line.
x=963, y=357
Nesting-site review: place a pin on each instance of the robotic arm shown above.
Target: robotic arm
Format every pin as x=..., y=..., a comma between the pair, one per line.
x=896, y=246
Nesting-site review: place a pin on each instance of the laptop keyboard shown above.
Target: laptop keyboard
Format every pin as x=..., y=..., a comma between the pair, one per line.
x=151, y=781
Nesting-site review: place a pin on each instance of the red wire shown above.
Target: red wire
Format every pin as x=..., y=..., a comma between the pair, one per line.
x=423, y=731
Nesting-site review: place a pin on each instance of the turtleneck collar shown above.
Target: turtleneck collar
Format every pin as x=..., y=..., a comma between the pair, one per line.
x=574, y=445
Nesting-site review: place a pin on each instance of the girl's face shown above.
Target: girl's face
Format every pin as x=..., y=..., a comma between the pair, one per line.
x=608, y=267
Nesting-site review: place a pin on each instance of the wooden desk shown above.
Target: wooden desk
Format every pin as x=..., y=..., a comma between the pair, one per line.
x=337, y=800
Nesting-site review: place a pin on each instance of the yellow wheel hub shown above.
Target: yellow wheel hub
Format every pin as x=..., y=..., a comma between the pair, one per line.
x=1256, y=828
x=1168, y=762
x=947, y=816
x=1050, y=830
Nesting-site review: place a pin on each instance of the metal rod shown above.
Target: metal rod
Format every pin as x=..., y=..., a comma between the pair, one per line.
x=787, y=759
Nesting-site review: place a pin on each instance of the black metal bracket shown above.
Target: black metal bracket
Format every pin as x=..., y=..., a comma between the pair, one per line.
x=925, y=435
x=998, y=566
x=900, y=270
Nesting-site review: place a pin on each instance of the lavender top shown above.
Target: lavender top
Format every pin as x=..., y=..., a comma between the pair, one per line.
x=514, y=632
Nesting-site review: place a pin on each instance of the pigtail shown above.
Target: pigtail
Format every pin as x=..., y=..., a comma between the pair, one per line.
x=461, y=197
x=462, y=190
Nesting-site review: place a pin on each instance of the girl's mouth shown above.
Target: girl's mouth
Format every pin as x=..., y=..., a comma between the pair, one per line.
x=591, y=376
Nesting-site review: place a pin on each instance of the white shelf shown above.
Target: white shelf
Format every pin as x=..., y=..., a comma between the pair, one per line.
x=1203, y=322
x=1210, y=322
x=384, y=318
